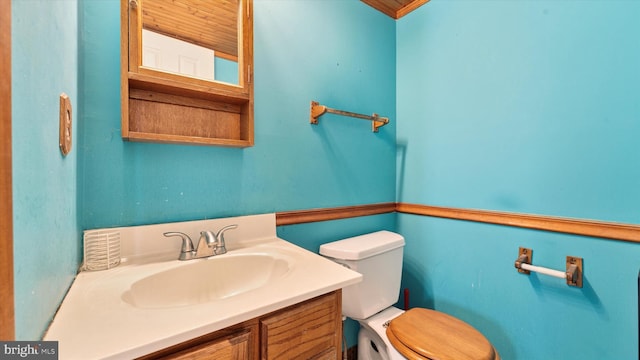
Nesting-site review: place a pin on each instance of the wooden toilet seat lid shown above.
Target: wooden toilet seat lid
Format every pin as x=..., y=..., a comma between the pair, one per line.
x=427, y=334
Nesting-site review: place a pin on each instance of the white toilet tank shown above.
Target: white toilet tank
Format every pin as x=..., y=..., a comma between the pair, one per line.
x=378, y=257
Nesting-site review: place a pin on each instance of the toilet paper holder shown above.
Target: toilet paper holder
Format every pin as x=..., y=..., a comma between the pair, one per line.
x=572, y=274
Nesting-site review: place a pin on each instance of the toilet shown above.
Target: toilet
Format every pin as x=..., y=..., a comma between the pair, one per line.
x=387, y=332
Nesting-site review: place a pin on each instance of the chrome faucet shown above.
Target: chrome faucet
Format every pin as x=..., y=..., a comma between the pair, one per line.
x=209, y=244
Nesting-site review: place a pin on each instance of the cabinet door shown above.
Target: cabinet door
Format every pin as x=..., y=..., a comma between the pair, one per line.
x=234, y=343
x=310, y=330
x=235, y=347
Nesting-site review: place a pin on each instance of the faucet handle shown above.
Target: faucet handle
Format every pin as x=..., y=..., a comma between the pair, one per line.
x=187, y=245
x=222, y=248
x=208, y=238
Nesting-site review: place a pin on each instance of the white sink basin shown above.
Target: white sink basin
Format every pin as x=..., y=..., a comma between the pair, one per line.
x=204, y=280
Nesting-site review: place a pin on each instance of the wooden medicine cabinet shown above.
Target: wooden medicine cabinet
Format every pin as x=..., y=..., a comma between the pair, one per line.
x=187, y=71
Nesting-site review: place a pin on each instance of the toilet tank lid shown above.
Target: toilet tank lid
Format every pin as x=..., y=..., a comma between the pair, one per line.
x=363, y=246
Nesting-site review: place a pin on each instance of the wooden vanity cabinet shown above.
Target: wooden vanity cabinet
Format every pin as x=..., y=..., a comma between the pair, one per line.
x=309, y=330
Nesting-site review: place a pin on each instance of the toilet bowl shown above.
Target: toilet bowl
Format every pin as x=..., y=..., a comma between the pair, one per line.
x=386, y=332
x=373, y=343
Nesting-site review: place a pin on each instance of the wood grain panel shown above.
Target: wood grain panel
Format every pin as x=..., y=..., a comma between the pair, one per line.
x=173, y=119
x=184, y=101
x=7, y=331
x=314, y=215
x=125, y=54
x=237, y=342
x=152, y=80
x=211, y=24
x=584, y=227
x=395, y=8
x=310, y=330
x=600, y=229
x=235, y=347
x=191, y=140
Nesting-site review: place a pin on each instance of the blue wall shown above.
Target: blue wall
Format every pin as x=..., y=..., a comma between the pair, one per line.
x=304, y=50
x=532, y=107
x=45, y=218
x=525, y=106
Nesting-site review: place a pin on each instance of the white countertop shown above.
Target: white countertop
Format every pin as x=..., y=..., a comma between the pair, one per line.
x=94, y=322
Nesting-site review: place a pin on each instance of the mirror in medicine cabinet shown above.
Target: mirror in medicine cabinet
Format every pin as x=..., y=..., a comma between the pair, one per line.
x=187, y=71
